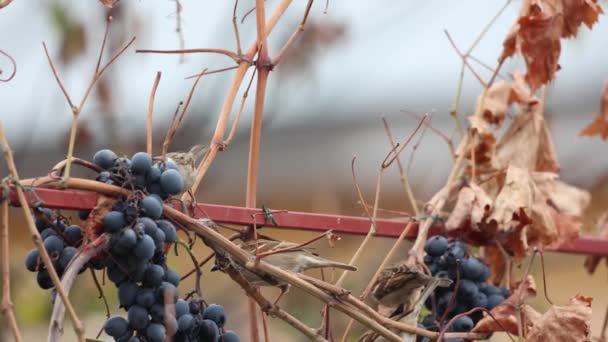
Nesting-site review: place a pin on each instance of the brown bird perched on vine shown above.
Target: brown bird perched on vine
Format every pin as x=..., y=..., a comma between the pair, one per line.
x=400, y=284
x=289, y=256
x=186, y=163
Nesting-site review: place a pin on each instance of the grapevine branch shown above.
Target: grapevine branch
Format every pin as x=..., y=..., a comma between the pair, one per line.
x=76, y=110
x=6, y=307
x=46, y=259
x=150, y=111
x=336, y=297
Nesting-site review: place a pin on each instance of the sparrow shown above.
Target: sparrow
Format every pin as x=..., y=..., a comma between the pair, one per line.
x=399, y=284
x=186, y=163
x=295, y=259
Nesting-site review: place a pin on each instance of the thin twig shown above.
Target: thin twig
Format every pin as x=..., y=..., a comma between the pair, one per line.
x=46, y=259
x=235, y=26
x=237, y=118
x=102, y=296
x=372, y=217
x=178, y=28
x=403, y=178
x=13, y=63
x=294, y=36
x=7, y=308
x=224, y=52
x=376, y=275
x=150, y=111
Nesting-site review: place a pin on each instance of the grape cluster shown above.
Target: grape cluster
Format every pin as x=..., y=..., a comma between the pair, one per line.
x=61, y=241
x=160, y=178
x=451, y=259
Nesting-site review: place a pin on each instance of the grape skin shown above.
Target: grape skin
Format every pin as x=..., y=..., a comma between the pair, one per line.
x=105, y=158
x=151, y=207
x=32, y=260
x=216, y=313
x=116, y=326
x=171, y=182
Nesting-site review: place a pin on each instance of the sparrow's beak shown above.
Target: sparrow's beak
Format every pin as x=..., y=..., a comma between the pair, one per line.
x=215, y=268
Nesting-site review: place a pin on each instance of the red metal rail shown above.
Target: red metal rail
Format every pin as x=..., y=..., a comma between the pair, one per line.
x=81, y=200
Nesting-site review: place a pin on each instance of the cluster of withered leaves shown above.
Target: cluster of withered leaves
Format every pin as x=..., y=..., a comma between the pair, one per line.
x=536, y=34
x=561, y=323
x=599, y=125
x=518, y=199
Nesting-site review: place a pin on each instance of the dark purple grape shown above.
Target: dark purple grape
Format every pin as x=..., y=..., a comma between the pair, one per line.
x=166, y=291
x=155, y=189
x=195, y=306
x=139, y=181
x=134, y=339
x=73, y=235
x=47, y=232
x=59, y=225
x=148, y=224
x=489, y=290
x=169, y=229
x=230, y=336
x=485, y=274
x=126, y=294
x=114, y=221
x=141, y=163
x=116, y=274
x=494, y=300
x=157, y=312
x=472, y=268
x=138, y=317
x=145, y=297
x=436, y=246
x=153, y=175
x=32, y=260
x=208, y=331
x=151, y=207
x=181, y=308
x=53, y=245
x=116, y=326
x=44, y=279
x=171, y=182
x=144, y=249
x=127, y=238
x=170, y=164
x=505, y=292
x=454, y=253
x=159, y=240
x=104, y=177
x=41, y=223
x=156, y=332
x=172, y=276
x=122, y=163
x=154, y=275
x=185, y=322
x=463, y=324
x=480, y=300
x=216, y=313
x=66, y=256
x=429, y=323
x=467, y=289
x=83, y=214
x=104, y=158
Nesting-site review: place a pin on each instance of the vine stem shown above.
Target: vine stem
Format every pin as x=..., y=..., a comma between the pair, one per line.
x=78, y=262
x=46, y=259
x=7, y=308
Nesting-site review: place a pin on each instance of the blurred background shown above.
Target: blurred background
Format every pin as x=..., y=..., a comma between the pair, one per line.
x=353, y=65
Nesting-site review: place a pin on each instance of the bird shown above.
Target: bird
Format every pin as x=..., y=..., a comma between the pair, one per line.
x=289, y=257
x=401, y=284
x=185, y=162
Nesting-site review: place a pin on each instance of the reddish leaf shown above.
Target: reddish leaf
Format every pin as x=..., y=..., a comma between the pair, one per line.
x=577, y=12
x=564, y=323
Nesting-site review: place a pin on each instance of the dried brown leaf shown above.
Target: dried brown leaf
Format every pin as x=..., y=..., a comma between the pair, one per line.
x=577, y=12
x=564, y=323
x=599, y=125
x=93, y=226
x=527, y=144
x=517, y=193
x=472, y=207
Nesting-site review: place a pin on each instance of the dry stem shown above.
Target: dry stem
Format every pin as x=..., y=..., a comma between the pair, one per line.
x=46, y=259
x=150, y=111
x=7, y=308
